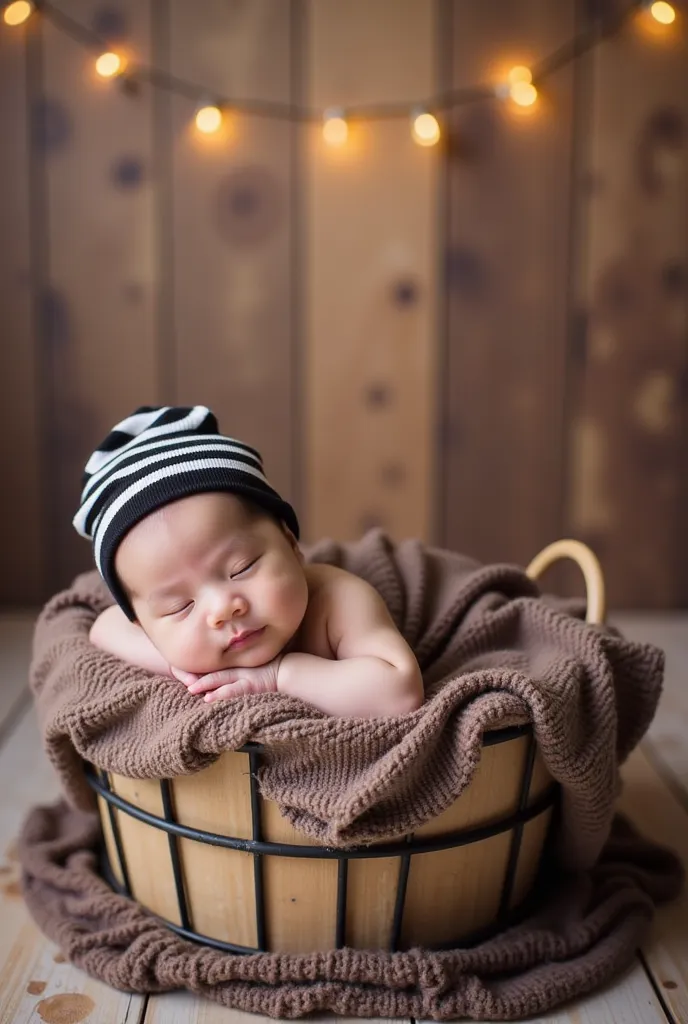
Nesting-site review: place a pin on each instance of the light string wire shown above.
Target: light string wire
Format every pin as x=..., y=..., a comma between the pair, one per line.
x=601, y=28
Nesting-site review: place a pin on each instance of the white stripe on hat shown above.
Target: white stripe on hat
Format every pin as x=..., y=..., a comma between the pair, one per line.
x=140, y=422
x=143, y=447
x=215, y=443
x=99, y=481
x=177, y=469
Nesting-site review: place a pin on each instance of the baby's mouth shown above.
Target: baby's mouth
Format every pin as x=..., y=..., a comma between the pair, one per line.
x=243, y=639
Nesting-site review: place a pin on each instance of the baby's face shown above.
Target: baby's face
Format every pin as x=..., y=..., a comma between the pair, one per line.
x=213, y=584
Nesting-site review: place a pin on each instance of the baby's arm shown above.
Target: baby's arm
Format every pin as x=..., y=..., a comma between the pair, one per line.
x=115, y=633
x=376, y=672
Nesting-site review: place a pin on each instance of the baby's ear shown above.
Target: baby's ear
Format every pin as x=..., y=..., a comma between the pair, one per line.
x=292, y=540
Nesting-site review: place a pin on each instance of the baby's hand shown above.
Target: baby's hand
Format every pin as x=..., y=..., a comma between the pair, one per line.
x=232, y=682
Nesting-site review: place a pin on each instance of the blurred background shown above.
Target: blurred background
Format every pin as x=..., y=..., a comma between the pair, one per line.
x=479, y=340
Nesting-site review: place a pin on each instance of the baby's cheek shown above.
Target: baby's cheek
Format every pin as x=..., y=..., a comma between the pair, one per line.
x=192, y=654
x=293, y=592
x=174, y=647
x=188, y=656
x=288, y=608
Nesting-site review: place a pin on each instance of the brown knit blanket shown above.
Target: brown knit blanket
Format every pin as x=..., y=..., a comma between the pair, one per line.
x=491, y=650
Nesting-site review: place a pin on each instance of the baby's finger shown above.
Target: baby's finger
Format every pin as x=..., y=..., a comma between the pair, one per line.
x=187, y=678
x=228, y=691
x=212, y=681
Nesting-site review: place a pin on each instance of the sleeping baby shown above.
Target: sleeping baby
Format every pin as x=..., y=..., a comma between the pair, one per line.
x=201, y=555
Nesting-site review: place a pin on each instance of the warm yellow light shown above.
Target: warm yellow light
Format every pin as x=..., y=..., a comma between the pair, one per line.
x=426, y=129
x=209, y=120
x=523, y=93
x=663, y=12
x=335, y=130
x=17, y=13
x=109, y=64
x=520, y=73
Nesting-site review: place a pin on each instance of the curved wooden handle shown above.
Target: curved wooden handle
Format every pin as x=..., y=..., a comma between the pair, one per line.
x=588, y=565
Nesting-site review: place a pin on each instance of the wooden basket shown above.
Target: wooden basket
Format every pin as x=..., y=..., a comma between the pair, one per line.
x=220, y=865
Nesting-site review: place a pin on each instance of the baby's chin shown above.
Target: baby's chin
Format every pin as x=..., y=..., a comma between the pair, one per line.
x=250, y=659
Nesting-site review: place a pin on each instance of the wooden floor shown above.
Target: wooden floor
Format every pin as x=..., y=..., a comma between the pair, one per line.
x=36, y=984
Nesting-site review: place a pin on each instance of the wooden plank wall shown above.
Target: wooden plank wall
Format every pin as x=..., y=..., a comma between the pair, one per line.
x=507, y=273
x=97, y=292
x=629, y=422
x=482, y=344
x=370, y=278
x=231, y=230
x=22, y=551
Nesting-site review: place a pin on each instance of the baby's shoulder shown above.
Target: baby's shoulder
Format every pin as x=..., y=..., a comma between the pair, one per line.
x=325, y=585
x=327, y=582
x=334, y=592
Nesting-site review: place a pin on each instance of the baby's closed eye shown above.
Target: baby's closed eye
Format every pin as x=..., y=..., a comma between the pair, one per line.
x=244, y=569
x=176, y=610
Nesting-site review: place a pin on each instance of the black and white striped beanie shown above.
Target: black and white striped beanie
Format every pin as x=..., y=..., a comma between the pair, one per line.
x=153, y=457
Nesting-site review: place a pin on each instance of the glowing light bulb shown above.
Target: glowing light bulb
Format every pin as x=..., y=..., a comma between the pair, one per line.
x=520, y=73
x=662, y=12
x=523, y=93
x=209, y=119
x=109, y=64
x=426, y=129
x=17, y=13
x=335, y=129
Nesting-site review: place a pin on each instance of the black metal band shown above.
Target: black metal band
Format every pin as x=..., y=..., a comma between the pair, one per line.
x=517, y=835
x=400, y=901
x=166, y=795
x=116, y=835
x=447, y=841
x=257, y=829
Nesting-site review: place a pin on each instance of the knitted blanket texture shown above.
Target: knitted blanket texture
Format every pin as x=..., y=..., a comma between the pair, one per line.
x=492, y=650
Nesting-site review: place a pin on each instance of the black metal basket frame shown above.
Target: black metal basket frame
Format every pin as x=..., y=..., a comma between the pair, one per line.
x=405, y=849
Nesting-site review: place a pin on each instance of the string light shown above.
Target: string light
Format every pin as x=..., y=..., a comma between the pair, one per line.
x=520, y=86
x=523, y=93
x=662, y=12
x=425, y=129
x=109, y=64
x=17, y=13
x=520, y=73
x=335, y=129
x=517, y=85
x=209, y=119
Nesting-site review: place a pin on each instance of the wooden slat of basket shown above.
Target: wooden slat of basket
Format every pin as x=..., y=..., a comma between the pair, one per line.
x=147, y=849
x=540, y=780
x=452, y=893
x=371, y=898
x=219, y=883
x=300, y=896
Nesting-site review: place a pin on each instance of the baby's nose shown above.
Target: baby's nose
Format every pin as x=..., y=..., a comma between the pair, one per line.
x=225, y=607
